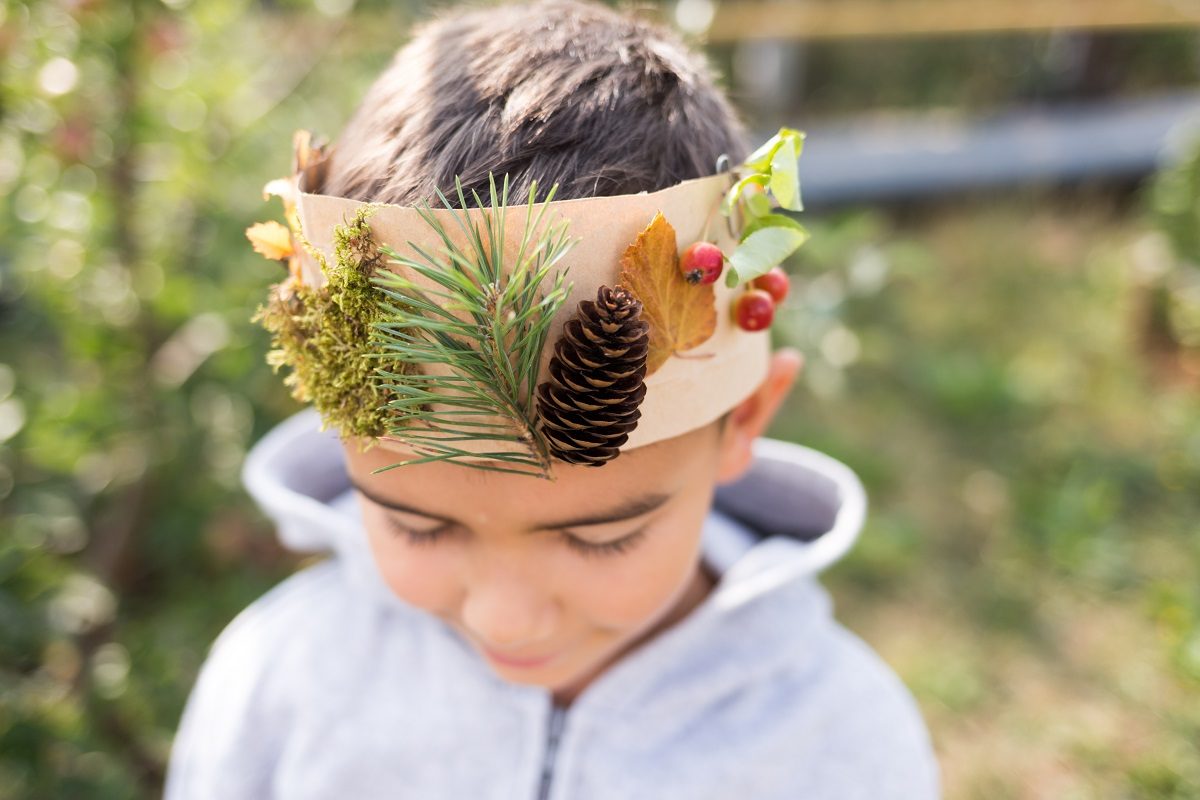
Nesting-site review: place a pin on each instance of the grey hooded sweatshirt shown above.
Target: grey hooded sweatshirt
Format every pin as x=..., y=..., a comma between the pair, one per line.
x=329, y=686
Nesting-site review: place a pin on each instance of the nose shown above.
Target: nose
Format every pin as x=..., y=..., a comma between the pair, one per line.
x=508, y=610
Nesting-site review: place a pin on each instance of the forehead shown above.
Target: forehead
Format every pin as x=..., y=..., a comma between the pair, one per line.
x=457, y=490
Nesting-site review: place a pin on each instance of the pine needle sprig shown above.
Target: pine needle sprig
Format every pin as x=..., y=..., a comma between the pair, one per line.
x=484, y=325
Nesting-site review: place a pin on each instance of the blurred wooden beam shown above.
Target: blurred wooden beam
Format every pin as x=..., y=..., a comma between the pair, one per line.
x=848, y=19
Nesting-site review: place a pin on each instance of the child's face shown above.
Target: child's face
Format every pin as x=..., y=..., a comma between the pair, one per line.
x=548, y=580
x=551, y=581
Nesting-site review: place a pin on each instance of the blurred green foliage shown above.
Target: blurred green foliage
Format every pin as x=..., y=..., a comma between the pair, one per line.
x=1030, y=437
x=135, y=139
x=1176, y=281
x=983, y=72
x=1016, y=381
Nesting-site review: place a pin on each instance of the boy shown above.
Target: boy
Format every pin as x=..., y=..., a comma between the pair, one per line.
x=647, y=624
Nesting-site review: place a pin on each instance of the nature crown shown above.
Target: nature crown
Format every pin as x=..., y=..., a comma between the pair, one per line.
x=510, y=337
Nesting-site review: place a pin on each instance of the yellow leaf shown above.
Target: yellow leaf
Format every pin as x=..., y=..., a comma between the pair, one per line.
x=285, y=189
x=281, y=187
x=271, y=239
x=681, y=315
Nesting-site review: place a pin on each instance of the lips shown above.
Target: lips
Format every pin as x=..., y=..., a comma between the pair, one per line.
x=525, y=662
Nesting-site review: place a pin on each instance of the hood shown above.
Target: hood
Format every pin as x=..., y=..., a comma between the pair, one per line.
x=795, y=512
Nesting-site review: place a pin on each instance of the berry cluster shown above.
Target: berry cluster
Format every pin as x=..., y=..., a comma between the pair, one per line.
x=754, y=308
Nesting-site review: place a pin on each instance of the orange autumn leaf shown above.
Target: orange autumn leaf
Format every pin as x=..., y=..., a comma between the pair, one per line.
x=681, y=315
x=271, y=239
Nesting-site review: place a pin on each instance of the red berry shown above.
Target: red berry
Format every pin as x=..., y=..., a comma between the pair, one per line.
x=754, y=310
x=701, y=262
x=775, y=283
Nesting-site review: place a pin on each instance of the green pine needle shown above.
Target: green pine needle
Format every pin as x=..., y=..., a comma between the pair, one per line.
x=487, y=326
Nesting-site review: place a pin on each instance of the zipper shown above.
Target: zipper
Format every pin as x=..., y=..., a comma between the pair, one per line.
x=558, y=716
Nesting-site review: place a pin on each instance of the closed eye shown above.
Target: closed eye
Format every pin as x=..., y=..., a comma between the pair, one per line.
x=429, y=536
x=610, y=548
x=418, y=536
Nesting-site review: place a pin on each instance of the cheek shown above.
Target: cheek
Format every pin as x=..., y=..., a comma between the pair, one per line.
x=634, y=589
x=424, y=577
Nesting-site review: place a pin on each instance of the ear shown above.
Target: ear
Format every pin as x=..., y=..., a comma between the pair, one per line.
x=750, y=419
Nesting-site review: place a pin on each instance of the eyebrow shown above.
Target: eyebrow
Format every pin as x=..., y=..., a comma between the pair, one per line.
x=627, y=510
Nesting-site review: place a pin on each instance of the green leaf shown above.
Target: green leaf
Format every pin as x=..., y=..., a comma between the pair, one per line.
x=772, y=221
x=773, y=165
x=758, y=205
x=762, y=250
x=735, y=191
x=785, y=180
x=760, y=160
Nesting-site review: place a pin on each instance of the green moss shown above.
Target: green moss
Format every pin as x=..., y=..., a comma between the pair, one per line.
x=323, y=335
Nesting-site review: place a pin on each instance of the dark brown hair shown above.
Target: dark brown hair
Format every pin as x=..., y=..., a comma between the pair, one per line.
x=557, y=91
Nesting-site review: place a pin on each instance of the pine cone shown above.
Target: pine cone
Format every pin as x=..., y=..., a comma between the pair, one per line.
x=590, y=403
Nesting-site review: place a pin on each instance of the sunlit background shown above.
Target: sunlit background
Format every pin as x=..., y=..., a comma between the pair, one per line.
x=1000, y=309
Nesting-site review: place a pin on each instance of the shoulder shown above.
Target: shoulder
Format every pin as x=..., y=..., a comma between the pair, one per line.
x=286, y=631
x=279, y=649
x=309, y=596
x=783, y=685
x=873, y=741
x=838, y=712
x=304, y=629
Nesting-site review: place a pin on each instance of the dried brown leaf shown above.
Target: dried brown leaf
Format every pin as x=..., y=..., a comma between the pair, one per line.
x=681, y=315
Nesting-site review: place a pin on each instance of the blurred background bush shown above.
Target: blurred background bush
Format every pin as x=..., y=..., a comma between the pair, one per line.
x=1012, y=364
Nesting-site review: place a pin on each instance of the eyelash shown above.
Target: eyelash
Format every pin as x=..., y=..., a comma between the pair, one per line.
x=585, y=549
x=614, y=548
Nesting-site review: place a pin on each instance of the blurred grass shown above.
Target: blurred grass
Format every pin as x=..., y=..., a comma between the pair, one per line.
x=1014, y=377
